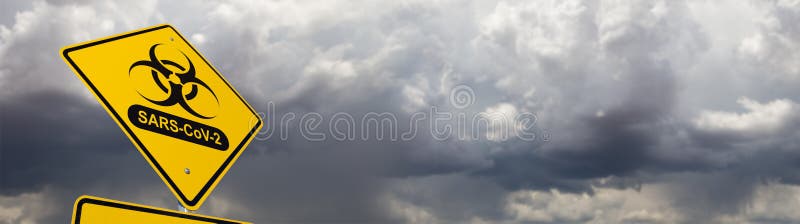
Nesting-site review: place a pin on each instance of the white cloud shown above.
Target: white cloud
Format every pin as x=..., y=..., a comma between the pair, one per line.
x=502, y=122
x=409, y=213
x=606, y=205
x=652, y=204
x=30, y=48
x=27, y=208
x=771, y=203
x=758, y=117
x=774, y=46
x=572, y=62
x=198, y=38
x=10, y=214
x=415, y=99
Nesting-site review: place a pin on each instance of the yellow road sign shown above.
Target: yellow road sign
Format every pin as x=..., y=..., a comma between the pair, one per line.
x=185, y=119
x=94, y=210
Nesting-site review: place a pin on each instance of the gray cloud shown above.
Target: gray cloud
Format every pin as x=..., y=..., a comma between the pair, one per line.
x=655, y=111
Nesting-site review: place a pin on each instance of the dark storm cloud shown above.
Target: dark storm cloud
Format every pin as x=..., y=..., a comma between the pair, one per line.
x=612, y=83
x=618, y=140
x=64, y=122
x=65, y=145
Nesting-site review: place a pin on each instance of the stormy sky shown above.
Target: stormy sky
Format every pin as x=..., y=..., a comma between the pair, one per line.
x=608, y=111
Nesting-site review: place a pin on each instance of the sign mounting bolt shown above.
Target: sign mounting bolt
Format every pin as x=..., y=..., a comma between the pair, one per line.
x=187, y=171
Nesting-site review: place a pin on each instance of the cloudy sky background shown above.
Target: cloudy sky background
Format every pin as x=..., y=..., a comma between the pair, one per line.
x=654, y=111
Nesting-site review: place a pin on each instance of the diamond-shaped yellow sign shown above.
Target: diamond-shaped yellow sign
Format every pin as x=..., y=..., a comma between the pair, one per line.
x=95, y=210
x=185, y=119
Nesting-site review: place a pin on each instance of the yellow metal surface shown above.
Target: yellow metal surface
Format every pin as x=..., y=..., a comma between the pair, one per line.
x=181, y=114
x=94, y=210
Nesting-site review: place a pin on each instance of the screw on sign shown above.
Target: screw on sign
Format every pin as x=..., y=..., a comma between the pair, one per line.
x=185, y=119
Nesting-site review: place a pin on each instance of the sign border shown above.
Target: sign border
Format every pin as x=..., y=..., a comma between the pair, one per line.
x=194, y=203
x=86, y=199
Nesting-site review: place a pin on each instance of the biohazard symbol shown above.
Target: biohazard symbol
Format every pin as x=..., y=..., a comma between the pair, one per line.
x=169, y=78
